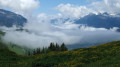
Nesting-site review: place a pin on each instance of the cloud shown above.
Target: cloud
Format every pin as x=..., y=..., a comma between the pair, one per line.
x=20, y=6
x=110, y=6
x=73, y=11
x=41, y=34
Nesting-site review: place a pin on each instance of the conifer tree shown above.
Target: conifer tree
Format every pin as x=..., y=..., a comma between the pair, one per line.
x=57, y=48
x=63, y=47
x=29, y=53
x=43, y=50
x=52, y=47
x=34, y=52
x=38, y=50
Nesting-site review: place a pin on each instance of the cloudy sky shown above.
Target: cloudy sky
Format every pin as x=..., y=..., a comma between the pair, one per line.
x=73, y=8
x=50, y=5
x=40, y=13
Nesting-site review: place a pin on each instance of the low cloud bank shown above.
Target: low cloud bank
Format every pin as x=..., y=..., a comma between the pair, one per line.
x=41, y=35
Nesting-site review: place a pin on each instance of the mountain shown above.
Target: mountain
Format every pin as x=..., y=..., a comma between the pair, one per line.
x=104, y=55
x=102, y=20
x=9, y=19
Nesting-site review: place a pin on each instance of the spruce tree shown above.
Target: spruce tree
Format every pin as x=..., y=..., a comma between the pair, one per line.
x=43, y=50
x=38, y=50
x=34, y=52
x=63, y=47
x=57, y=48
x=29, y=53
x=52, y=47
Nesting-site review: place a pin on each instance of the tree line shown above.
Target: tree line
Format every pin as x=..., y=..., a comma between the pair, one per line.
x=52, y=47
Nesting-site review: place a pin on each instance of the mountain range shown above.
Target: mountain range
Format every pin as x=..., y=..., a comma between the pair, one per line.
x=8, y=19
x=101, y=20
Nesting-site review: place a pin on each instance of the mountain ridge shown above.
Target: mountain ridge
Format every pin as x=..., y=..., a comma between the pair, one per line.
x=101, y=20
x=8, y=19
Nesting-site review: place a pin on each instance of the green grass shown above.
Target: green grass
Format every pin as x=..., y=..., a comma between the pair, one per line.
x=107, y=62
x=12, y=47
x=17, y=49
x=105, y=55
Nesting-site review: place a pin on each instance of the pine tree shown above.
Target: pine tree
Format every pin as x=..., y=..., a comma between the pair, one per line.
x=29, y=53
x=34, y=52
x=38, y=50
x=52, y=47
x=63, y=47
x=43, y=50
x=57, y=48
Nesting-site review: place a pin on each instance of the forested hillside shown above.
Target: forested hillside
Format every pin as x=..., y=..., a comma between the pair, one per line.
x=105, y=55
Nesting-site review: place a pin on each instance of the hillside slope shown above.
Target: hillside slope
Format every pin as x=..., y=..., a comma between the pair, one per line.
x=12, y=47
x=7, y=58
x=105, y=55
x=8, y=19
x=15, y=48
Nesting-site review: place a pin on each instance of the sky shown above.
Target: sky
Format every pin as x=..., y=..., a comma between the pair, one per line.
x=47, y=6
x=61, y=7
x=42, y=32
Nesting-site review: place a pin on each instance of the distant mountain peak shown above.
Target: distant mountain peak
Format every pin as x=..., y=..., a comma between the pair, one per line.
x=101, y=20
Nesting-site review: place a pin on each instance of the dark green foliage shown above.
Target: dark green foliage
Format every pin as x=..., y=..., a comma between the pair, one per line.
x=43, y=50
x=38, y=51
x=52, y=47
x=63, y=47
x=105, y=55
x=3, y=45
x=29, y=53
x=57, y=47
x=8, y=58
x=34, y=52
x=2, y=33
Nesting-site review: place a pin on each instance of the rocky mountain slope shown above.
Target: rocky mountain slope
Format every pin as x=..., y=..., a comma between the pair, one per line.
x=9, y=19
